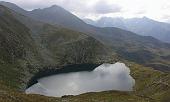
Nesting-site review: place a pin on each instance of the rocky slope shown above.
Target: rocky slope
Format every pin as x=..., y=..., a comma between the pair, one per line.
x=28, y=46
x=24, y=52
x=144, y=50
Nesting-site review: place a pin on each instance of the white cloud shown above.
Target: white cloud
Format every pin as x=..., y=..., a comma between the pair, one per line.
x=155, y=9
x=102, y=7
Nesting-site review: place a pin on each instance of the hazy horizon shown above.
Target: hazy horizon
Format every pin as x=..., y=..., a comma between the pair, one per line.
x=96, y=9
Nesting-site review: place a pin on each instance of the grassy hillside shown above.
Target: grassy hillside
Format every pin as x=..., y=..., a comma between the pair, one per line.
x=144, y=50
x=25, y=51
x=151, y=86
x=140, y=49
x=16, y=48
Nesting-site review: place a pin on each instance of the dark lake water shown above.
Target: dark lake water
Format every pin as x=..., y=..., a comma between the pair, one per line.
x=103, y=78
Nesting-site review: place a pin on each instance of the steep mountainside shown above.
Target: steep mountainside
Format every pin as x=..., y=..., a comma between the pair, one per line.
x=16, y=47
x=142, y=26
x=53, y=15
x=57, y=15
x=28, y=46
x=24, y=52
x=128, y=45
x=13, y=7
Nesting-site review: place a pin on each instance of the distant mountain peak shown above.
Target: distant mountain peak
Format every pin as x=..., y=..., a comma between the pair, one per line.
x=148, y=19
x=13, y=7
x=140, y=25
x=55, y=7
x=4, y=2
x=7, y=4
x=144, y=17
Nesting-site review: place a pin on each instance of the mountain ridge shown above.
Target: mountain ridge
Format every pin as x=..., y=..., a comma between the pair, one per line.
x=127, y=44
x=24, y=52
x=141, y=26
x=28, y=46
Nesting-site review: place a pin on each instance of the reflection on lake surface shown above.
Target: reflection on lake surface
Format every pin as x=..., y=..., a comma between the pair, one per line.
x=104, y=77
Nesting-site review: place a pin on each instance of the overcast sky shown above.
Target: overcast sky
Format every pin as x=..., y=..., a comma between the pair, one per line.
x=94, y=9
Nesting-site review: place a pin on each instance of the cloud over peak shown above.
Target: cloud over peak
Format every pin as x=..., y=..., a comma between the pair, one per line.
x=94, y=9
x=102, y=7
